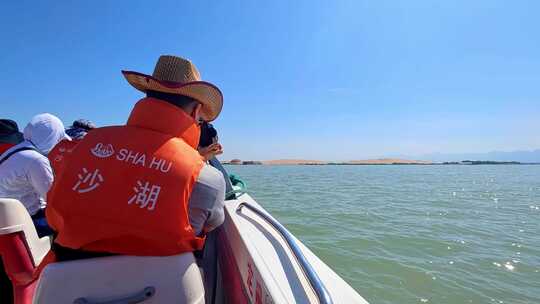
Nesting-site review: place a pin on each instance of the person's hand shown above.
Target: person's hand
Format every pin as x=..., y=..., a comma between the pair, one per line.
x=209, y=152
x=216, y=149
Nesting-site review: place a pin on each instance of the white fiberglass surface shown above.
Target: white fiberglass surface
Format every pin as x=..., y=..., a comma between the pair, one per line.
x=265, y=259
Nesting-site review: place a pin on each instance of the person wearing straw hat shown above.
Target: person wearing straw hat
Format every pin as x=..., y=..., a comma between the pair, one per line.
x=142, y=188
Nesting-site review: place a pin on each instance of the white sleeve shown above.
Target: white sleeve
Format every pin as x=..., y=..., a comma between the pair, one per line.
x=40, y=175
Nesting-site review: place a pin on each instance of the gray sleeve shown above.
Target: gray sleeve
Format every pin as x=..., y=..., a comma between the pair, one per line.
x=206, y=202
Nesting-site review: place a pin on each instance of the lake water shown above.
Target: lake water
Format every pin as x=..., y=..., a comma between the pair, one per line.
x=414, y=234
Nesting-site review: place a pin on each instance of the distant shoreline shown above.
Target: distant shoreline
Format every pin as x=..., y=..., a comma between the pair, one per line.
x=383, y=161
x=348, y=164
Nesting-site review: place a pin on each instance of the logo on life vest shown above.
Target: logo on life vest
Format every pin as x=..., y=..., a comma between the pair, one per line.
x=139, y=159
x=88, y=181
x=145, y=195
x=102, y=150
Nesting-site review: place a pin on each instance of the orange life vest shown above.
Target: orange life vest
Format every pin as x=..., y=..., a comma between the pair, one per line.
x=58, y=155
x=126, y=189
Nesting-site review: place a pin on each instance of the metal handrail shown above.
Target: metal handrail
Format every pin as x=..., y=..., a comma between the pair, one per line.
x=314, y=280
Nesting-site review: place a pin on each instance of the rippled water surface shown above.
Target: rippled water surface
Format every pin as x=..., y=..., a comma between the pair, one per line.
x=414, y=234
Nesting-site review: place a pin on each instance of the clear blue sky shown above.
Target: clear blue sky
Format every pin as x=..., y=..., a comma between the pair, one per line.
x=332, y=80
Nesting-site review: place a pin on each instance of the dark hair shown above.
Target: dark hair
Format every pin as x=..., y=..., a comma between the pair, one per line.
x=83, y=124
x=208, y=133
x=180, y=101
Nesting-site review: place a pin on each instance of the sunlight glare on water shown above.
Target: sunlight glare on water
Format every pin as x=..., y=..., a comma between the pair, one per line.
x=414, y=234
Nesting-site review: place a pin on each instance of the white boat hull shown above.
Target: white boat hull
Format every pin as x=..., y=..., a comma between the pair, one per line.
x=269, y=271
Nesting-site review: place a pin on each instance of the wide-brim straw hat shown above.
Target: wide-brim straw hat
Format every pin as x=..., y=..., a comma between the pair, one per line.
x=176, y=75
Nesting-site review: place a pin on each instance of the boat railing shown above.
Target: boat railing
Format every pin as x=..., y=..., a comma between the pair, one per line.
x=313, y=278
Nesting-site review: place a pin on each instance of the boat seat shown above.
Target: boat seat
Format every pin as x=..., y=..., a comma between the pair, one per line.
x=14, y=219
x=23, y=252
x=122, y=279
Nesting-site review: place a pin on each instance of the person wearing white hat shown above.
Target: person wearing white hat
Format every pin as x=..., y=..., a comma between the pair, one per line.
x=25, y=171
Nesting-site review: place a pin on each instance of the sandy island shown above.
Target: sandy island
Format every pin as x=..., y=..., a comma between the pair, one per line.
x=379, y=161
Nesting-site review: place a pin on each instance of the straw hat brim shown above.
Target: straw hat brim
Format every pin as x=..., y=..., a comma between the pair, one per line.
x=204, y=92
